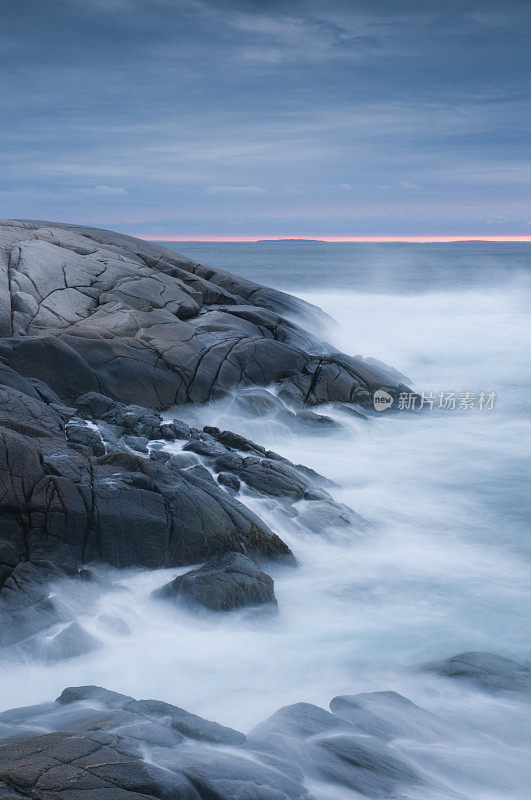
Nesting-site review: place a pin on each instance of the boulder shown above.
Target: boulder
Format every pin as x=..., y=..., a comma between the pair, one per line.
x=486, y=670
x=222, y=584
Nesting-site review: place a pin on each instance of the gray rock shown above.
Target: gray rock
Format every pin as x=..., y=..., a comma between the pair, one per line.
x=204, y=445
x=78, y=433
x=487, y=670
x=181, y=429
x=138, y=443
x=222, y=584
x=106, y=313
x=329, y=748
x=228, y=480
x=194, y=727
x=68, y=643
x=274, y=479
x=388, y=715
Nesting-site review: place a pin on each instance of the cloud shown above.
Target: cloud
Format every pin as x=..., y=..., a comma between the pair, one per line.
x=112, y=191
x=179, y=113
x=234, y=190
x=408, y=185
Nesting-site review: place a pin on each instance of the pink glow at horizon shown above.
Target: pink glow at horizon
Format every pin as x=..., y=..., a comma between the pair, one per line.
x=418, y=239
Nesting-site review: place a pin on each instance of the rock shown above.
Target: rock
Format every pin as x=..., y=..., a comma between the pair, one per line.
x=100, y=333
x=114, y=624
x=274, y=479
x=138, y=443
x=195, y=727
x=234, y=441
x=348, y=707
x=365, y=765
x=101, y=508
x=300, y=721
x=388, y=715
x=78, y=432
x=228, y=480
x=222, y=584
x=106, y=313
x=69, y=642
x=86, y=768
x=102, y=745
x=310, y=419
x=330, y=749
x=228, y=461
x=487, y=670
x=181, y=429
x=204, y=445
x=229, y=775
x=94, y=694
x=182, y=460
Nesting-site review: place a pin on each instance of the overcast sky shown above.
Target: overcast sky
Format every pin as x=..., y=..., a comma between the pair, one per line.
x=195, y=118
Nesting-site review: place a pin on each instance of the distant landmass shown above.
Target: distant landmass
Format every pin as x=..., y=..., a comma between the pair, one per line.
x=322, y=241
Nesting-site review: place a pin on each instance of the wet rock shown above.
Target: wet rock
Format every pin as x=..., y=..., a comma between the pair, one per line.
x=388, y=715
x=70, y=642
x=167, y=430
x=138, y=443
x=195, y=727
x=114, y=624
x=487, y=670
x=329, y=748
x=273, y=479
x=83, y=767
x=234, y=441
x=228, y=480
x=232, y=462
x=365, y=765
x=179, y=461
x=348, y=707
x=222, y=584
x=141, y=329
x=94, y=694
x=226, y=776
x=204, y=445
x=181, y=429
x=102, y=742
x=323, y=514
x=77, y=432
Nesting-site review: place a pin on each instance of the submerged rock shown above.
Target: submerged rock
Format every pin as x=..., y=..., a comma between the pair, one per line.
x=388, y=715
x=329, y=748
x=222, y=584
x=487, y=670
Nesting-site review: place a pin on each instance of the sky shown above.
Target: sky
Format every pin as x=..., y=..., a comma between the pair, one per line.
x=193, y=119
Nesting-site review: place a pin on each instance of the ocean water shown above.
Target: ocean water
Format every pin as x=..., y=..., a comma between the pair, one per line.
x=445, y=565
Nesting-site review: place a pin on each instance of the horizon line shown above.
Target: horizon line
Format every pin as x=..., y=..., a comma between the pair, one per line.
x=526, y=238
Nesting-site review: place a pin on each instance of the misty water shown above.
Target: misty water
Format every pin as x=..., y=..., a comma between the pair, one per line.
x=444, y=566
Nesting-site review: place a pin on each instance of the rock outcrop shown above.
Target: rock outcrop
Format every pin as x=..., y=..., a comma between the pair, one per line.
x=102, y=745
x=89, y=310
x=100, y=332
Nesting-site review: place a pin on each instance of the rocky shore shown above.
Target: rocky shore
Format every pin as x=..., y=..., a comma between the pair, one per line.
x=100, y=333
x=103, y=337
